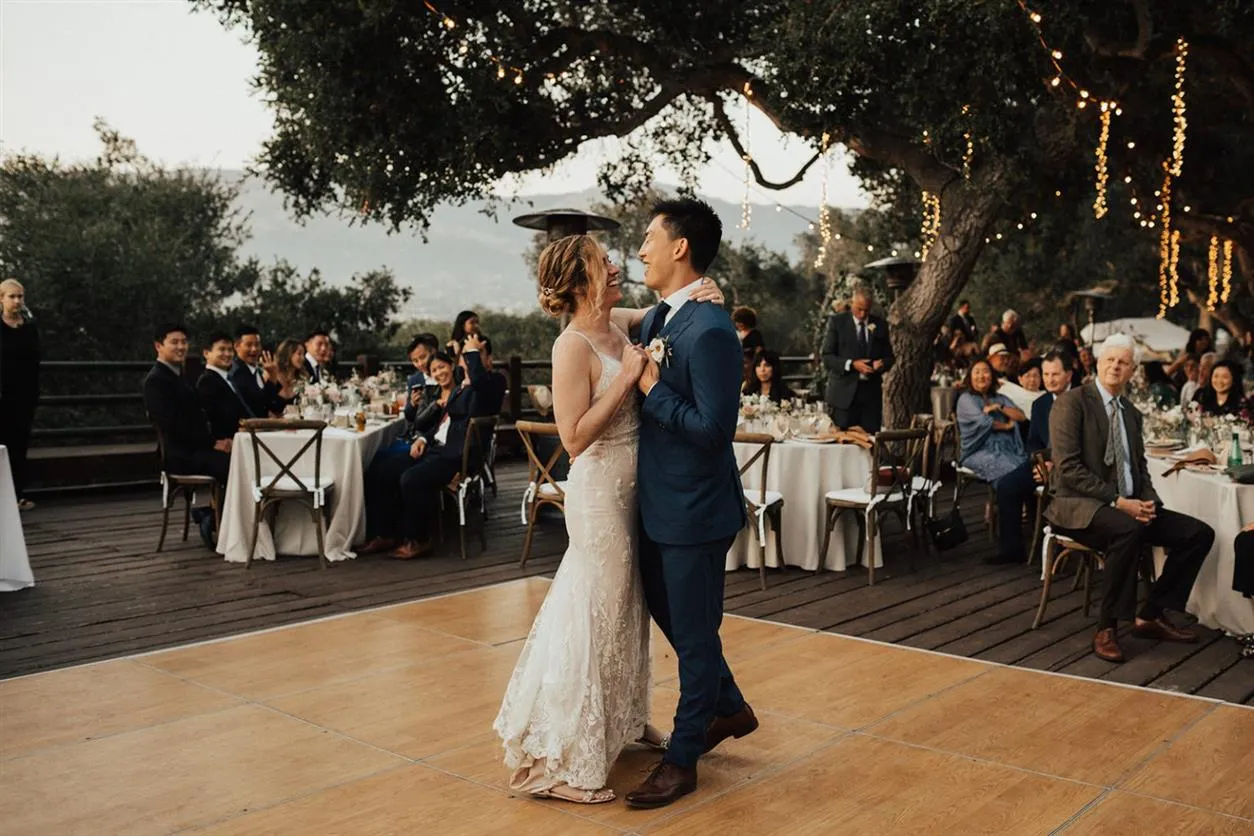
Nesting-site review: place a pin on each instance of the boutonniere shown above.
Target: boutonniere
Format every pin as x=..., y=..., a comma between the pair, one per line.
x=660, y=351
x=870, y=327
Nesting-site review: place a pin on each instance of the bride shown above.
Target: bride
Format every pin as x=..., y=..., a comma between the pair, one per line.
x=580, y=691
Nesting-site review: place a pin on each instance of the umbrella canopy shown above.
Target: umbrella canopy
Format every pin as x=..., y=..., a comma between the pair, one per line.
x=1156, y=336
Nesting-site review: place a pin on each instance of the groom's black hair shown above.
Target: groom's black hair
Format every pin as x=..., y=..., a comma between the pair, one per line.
x=696, y=220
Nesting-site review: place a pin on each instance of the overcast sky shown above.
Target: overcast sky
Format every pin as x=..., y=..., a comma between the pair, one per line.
x=178, y=83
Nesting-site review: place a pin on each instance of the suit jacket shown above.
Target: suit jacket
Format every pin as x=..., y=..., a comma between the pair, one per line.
x=325, y=374
x=430, y=392
x=840, y=348
x=965, y=324
x=462, y=405
x=174, y=408
x=1082, y=482
x=262, y=400
x=688, y=481
x=223, y=407
x=1038, y=422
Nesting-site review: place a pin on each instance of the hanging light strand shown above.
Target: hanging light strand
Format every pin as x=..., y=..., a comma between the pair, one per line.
x=931, y=222
x=1226, y=270
x=1179, y=110
x=1165, y=292
x=1103, y=163
x=503, y=68
x=825, y=216
x=746, y=208
x=1212, y=273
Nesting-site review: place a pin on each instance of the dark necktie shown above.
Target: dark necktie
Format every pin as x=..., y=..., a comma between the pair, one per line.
x=659, y=319
x=864, y=350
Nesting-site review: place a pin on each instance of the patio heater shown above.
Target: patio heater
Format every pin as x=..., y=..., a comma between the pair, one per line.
x=1092, y=299
x=558, y=223
x=899, y=272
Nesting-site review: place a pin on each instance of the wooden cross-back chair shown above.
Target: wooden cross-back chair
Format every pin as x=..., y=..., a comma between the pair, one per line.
x=542, y=489
x=172, y=484
x=311, y=491
x=896, y=461
x=761, y=504
x=471, y=480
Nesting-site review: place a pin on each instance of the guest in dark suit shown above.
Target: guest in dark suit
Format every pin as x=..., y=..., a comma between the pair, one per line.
x=19, y=381
x=223, y=403
x=174, y=409
x=962, y=322
x=421, y=385
x=254, y=374
x=1056, y=377
x=491, y=387
x=1104, y=498
x=318, y=354
x=857, y=353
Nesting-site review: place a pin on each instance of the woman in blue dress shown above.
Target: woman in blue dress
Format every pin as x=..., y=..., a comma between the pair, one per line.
x=992, y=448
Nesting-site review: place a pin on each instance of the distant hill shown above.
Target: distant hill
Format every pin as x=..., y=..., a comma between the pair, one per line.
x=470, y=259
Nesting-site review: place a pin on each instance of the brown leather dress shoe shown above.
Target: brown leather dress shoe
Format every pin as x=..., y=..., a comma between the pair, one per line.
x=1160, y=629
x=738, y=725
x=411, y=549
x=666, y=784
x=1106, y=646
x=379, y=545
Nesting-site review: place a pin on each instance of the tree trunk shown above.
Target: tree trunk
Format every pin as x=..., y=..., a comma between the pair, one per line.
x=968, y=210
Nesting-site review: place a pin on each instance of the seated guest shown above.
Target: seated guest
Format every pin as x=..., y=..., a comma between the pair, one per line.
x=1104, y=498
x=289, y=367
x=223, y=403
x=1056, y=377
x=1010, y=334
x=1085, y=369
x=1191, y=369
x=467, y=322
x=1030, y=375
x=402, y=489
x=1223, y=396
x=318, y=355
x=1004, y=362
x=1205, y=365
x=491, y=387
x=1199, y=343
x=1159, y=386
x=173, y=407
x=746, y=322
x=768, y=379
x=422, y=387
x=993, y=448
x=255, y=375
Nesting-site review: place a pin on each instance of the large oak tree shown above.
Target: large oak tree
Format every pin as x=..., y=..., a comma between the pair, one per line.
x=389, y=108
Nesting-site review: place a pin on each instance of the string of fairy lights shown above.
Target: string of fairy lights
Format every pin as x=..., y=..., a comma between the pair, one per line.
x=1219, y=268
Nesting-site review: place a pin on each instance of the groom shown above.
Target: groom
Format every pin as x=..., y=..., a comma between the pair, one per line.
x=691, y=501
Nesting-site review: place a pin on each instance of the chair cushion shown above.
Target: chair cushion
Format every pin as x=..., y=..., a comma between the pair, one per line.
x=287, y=483
x=546, y=489
x=755, y=496
x=859, y=496
x=966, y=471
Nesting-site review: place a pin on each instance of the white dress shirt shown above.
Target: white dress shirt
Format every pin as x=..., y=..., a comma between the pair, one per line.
x=678, y=299
x=1127, y=449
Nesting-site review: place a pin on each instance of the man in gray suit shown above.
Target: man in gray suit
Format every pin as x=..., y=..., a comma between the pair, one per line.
x=857, y=354
x=1103, y=497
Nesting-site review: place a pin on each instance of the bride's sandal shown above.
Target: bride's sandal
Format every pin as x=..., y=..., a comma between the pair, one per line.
x=565, y=792
x=654, y=739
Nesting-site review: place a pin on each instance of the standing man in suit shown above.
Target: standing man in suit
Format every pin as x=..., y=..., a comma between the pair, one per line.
x=223, y=403
x=173, y=407
x=1056, y=376
x=1103, y=497
x=964, y=322
x=318, y=355
x=255, y=374
x=856, y=354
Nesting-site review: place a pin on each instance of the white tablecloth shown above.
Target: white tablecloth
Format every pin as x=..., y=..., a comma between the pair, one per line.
x=345, y=456
x=1226, y=507
x=15, y=570
x=803, y=473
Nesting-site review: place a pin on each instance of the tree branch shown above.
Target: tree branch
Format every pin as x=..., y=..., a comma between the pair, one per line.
x=1138, y=48
x=1235, y=68
x=724, y=121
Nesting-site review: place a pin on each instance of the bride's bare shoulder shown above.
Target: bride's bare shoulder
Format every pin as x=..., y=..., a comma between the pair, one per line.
x=572, y=348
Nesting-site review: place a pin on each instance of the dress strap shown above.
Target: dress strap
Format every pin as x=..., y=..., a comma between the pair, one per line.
x=598, y=352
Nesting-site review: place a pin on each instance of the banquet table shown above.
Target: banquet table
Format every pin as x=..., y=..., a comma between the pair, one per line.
x=15, y=570
x=1226, y=507
x=345, y=456
x=803, y=472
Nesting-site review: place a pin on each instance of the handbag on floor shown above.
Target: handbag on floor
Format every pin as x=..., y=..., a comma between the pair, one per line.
x=949, y=531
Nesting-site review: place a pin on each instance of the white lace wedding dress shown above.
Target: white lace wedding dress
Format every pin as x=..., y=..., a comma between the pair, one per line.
x=580, y=691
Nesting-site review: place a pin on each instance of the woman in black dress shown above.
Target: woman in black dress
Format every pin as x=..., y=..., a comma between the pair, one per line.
x=19, y=380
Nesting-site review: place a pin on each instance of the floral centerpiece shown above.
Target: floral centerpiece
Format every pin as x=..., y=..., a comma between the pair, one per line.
x=757, y=407
x=319, y=394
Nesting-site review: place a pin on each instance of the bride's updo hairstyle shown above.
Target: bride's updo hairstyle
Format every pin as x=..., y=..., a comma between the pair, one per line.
x=571, y=268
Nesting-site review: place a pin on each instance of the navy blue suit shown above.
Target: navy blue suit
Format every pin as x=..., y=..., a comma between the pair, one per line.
x=1038, y=423
x=262, y=400
x=691, y=508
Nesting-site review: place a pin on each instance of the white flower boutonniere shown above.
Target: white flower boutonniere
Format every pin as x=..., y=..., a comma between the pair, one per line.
x=660, y=351
x=870, y=326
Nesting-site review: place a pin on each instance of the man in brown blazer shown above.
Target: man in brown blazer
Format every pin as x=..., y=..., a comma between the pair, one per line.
x=1103, y=497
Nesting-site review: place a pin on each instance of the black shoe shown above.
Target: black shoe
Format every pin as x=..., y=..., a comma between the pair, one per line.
x=206, y=530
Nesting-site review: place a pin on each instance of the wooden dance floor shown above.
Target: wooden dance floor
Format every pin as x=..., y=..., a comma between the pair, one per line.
x=379, y=722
